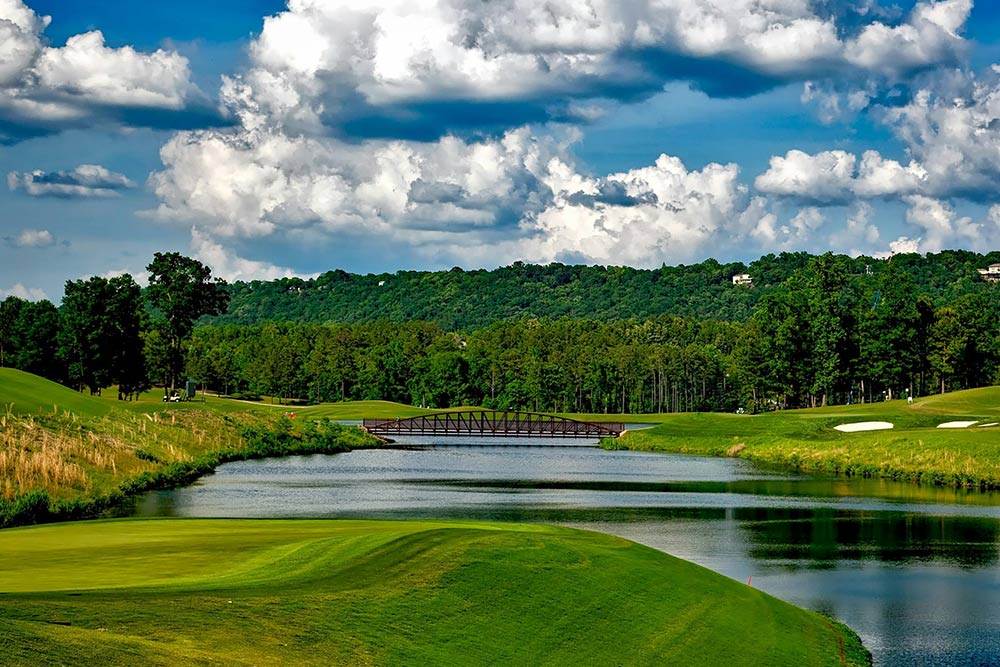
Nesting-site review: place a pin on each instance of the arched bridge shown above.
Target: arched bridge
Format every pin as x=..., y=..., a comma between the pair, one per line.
x=493, y=423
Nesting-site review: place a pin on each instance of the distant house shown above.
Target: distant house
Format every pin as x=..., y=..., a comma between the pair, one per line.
x=743, y=279
x=381, y=283
x=992, y=273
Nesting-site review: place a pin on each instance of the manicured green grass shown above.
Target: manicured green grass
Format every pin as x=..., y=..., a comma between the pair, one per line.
x=361, y=410
x=290, y=592
x=915, y=450
x=27, y=393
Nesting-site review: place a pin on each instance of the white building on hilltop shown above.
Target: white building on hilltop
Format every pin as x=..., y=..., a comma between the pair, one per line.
x=992, y=273
x=743, y=279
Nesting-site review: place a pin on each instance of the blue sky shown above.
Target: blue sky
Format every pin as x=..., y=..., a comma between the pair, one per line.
x=267, y=140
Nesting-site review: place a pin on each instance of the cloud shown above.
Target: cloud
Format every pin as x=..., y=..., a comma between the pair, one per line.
x=453, y=152
x=87, y=180
x=32, y=238
x=252, y=184
x=393, y=68
x=519, y=196
x=952, y=128
x=834, y=177
x=226, y=264
x=937, y=226
x=140, y=277
x=859, y=234
x=662, y=212
x=824, y=177
x=941, y=227
x=931, y=35
x=44, y=89
x=22, y=292
x=798, y=232
x=902, y=245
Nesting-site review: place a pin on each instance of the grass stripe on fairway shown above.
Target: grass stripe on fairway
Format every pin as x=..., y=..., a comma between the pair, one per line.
x=310, y=592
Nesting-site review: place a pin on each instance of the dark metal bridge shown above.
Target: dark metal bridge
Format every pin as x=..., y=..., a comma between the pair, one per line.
x=493, y=423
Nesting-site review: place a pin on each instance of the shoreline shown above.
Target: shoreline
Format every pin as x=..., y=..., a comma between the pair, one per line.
x=960, y=459
x=272, y=438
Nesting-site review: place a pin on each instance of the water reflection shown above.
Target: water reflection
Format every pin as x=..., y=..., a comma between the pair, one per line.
x=913, y=570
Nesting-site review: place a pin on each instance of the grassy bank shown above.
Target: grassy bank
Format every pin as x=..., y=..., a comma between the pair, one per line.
x=914, y=450
x=67, y=455
x=196, y=592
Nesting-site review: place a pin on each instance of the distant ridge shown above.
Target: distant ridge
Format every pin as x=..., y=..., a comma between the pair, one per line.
x=458, y=299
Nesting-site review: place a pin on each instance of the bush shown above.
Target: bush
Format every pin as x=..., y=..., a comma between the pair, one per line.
x=26, y=509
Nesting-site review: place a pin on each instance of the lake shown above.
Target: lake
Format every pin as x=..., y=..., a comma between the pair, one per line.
x=913, y=570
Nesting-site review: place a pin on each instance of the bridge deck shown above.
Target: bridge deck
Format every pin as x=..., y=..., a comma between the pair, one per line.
x=494, y=424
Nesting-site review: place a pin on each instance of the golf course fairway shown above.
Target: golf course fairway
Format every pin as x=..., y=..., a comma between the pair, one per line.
x=334, y=592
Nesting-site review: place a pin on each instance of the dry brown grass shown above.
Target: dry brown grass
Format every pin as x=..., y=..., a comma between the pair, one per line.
x=736, y=449
x=67, y=455
x=36, y=458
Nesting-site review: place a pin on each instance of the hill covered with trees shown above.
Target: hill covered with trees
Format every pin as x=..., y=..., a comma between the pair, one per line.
x=814, y=331
x=469, y=300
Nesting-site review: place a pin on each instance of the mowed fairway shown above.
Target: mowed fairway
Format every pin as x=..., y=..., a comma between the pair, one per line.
x=284, y=592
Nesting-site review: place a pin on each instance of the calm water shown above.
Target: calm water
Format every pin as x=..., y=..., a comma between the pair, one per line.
x=916, y=572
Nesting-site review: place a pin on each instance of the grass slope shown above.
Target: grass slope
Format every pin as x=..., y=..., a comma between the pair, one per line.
x=68, y=455
x=915, y=450
x=200, y=592
x=26, y=393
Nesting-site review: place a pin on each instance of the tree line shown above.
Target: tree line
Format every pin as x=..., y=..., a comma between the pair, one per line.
x=462, y=300
x=108, y=331
x=827, y=334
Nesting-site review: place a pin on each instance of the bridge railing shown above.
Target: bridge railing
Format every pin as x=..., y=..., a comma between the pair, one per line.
x=493, y=423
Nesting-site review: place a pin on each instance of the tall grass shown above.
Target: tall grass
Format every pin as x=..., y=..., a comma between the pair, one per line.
x=60, y=465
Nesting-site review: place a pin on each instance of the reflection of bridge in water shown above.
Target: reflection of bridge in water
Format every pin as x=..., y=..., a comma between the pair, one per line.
x=493, y=423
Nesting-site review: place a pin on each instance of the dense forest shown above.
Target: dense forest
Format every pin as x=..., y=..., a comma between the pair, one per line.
x=833, y=330
x=468, y=300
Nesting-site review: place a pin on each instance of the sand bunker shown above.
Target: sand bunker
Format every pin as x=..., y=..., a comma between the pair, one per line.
x=990, y=424
x=957, y=424
x=863, y=426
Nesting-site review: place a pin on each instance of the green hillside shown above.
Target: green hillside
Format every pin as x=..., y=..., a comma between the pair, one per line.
x=26, y=393
x=204, y=592
x=64, y=454
x=466, y=300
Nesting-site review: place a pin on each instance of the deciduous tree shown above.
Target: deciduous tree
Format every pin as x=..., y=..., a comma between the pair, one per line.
x=183, y=290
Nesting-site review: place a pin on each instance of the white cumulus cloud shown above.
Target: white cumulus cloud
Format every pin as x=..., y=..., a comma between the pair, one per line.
x=515, y=197
x=228, y=265
x=22, y=292
x=642, y=217
x=520, y=194
x=32, y=238
x=824, y=177
x=324, y=61
x=834, y=177
x=952, y=128
x=940, y=225
x=930, y=35
x=44, y=87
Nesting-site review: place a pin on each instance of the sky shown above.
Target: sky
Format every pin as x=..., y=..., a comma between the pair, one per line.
x=271, y=139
